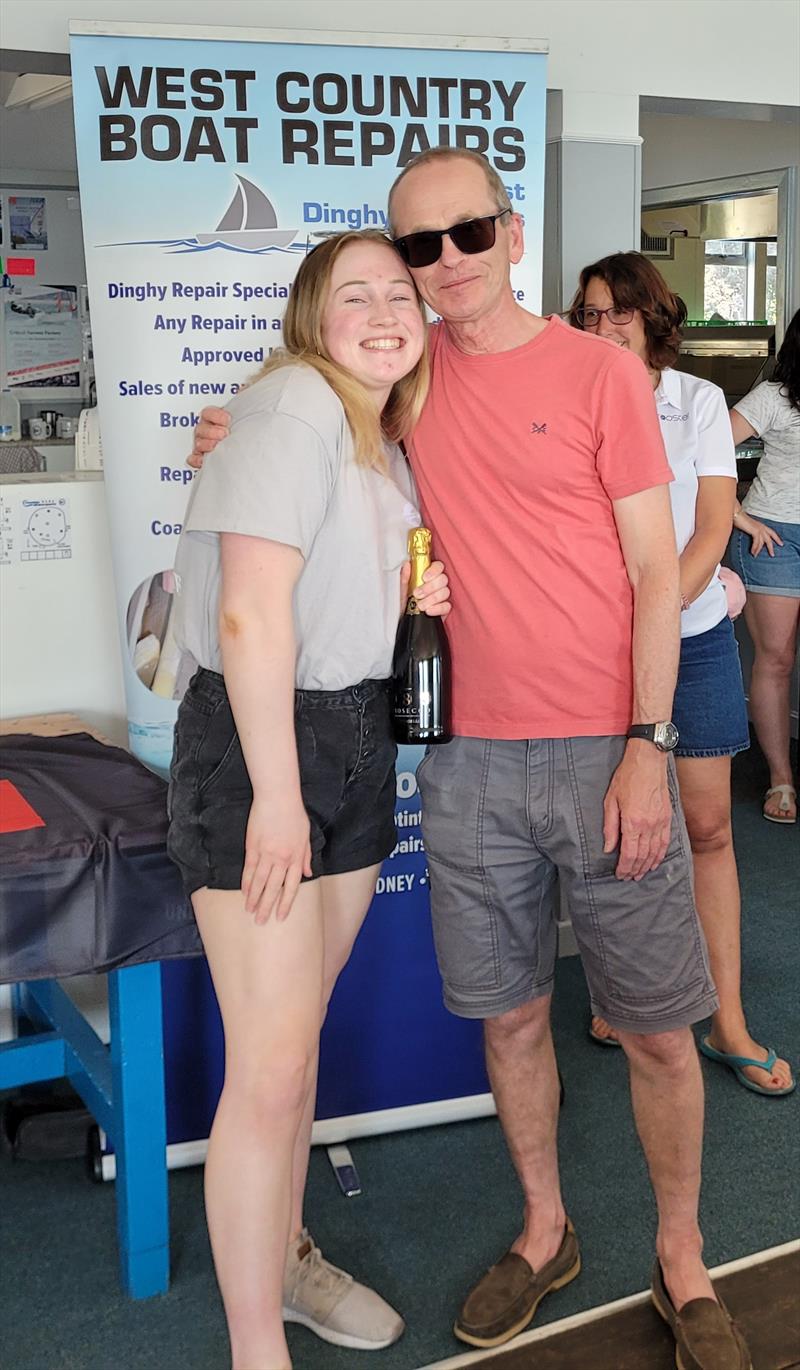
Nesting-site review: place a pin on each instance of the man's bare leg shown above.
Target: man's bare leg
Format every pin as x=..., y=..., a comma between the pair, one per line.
x=667, y=1096
x=522, y=1070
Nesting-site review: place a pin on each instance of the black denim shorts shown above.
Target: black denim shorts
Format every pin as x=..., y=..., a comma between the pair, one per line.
x=346, y=752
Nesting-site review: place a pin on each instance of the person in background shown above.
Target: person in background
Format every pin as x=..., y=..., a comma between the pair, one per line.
x=624, y=300
x=767, y=557
x=289, y=578
x=559, y=760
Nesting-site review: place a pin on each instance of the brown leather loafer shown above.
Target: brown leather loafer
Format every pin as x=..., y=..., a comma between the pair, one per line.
x=706, y=1337
x=505, y=1300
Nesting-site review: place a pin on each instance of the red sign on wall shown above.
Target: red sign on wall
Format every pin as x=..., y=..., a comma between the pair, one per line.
x=21, y=266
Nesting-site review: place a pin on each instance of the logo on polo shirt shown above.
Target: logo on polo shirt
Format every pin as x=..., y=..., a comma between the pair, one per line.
x=539, y=428
x=673, y=418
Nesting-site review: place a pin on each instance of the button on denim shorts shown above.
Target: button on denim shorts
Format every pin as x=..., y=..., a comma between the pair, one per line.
x=709, y=709
x=346, y=752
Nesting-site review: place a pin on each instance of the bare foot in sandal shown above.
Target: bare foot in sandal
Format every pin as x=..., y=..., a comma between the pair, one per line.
x=780, y=804
x=742, y=1044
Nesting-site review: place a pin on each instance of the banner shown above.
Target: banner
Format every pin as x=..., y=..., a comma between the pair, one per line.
x=208, y=167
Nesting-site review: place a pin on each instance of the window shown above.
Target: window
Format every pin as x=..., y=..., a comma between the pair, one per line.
x=725, y=279
x=772, y=272
x=739, y=280
x=725, y=247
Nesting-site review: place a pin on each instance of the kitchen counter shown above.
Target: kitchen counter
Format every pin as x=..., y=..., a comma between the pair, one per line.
x=49, y=477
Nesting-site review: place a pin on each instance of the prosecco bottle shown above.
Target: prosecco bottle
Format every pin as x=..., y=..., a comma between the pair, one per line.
x=421, y=667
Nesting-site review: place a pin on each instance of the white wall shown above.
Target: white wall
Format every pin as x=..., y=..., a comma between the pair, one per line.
x=42, y=141
x=677, y=150
x=59, y=643
x=684, y=272
x=711, y=49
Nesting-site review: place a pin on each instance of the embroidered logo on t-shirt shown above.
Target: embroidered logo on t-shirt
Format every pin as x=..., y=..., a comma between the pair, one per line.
x=539, y=428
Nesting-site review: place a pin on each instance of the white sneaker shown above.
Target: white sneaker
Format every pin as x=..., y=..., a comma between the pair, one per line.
x=333, y=1304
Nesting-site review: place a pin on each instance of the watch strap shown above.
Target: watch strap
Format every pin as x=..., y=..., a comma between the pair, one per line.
x=645, y=730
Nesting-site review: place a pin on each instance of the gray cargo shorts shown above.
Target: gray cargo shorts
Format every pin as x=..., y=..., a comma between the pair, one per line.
x=500, y=820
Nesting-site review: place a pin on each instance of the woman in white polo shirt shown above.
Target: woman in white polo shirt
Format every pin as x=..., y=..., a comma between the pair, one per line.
x=624, y=300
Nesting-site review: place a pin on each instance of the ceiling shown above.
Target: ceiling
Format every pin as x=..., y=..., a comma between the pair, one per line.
x=720, y=109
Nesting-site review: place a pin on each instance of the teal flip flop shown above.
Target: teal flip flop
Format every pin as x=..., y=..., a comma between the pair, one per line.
x=735, y=1064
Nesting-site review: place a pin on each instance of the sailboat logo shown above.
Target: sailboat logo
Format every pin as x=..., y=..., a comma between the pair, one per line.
x=249, y=222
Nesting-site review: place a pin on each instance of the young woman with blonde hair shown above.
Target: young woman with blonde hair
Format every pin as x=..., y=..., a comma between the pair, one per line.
x=290, y=575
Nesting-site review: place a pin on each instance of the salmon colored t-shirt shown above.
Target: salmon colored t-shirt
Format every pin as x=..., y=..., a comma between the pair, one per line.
x=518, y=456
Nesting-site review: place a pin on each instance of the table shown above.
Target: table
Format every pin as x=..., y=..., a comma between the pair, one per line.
x=72, y=872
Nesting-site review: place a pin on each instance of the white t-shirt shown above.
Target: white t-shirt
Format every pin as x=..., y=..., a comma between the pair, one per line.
x=287, y=472
x=698, y=441
x=775, y=492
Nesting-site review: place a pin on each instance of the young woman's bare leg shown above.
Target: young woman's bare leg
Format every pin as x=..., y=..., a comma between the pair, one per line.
x=705, y=788
x=345, y=900
x=773, y=624
x=268, y=979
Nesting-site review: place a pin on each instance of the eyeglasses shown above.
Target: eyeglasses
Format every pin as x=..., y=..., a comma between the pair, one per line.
x=425, y=248
x=590, y=318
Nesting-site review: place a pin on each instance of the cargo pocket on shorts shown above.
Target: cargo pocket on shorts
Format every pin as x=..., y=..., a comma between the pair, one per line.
x=652, y=945
x=452, y=784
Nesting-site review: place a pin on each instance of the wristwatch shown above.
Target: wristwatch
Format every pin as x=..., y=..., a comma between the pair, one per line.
x=663, y=735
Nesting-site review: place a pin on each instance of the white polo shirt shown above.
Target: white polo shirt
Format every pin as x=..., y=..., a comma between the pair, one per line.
x=699, y=442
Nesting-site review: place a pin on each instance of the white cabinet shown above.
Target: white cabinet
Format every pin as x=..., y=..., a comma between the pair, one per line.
x=59, y=641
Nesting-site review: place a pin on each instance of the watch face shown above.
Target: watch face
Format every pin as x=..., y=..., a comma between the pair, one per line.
x=667, y=737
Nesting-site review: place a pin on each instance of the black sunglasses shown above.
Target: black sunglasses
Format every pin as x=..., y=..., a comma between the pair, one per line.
x=425, y=248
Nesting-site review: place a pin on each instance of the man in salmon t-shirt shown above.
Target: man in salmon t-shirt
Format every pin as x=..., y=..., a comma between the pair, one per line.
x=541, y=470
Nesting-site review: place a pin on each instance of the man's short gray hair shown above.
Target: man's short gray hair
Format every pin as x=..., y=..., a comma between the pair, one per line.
x=497, y=189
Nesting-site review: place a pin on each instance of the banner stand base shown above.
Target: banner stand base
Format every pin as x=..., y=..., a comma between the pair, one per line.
x=345, y=1171
x=330, y=1131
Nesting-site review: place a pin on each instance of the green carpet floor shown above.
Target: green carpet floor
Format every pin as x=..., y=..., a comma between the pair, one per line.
x=439, y=1204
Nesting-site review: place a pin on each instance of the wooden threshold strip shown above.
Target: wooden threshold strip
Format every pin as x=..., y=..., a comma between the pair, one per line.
x=764, y=1298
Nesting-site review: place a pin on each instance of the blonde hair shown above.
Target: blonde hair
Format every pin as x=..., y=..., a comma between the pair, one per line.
x=497, y=189
x=303, y=344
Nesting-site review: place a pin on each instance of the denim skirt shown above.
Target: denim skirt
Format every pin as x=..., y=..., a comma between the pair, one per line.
x=710, y=711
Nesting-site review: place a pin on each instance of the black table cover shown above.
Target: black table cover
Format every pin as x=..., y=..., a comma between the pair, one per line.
x=93, y=889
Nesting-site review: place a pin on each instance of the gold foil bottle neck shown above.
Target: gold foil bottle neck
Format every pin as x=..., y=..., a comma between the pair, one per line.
x=419, y=551
x=419, y=543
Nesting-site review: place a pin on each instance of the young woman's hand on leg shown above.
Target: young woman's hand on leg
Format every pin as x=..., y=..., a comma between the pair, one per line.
x=277, y=856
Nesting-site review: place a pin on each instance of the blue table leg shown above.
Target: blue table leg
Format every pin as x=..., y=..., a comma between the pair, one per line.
x=140, y=1134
